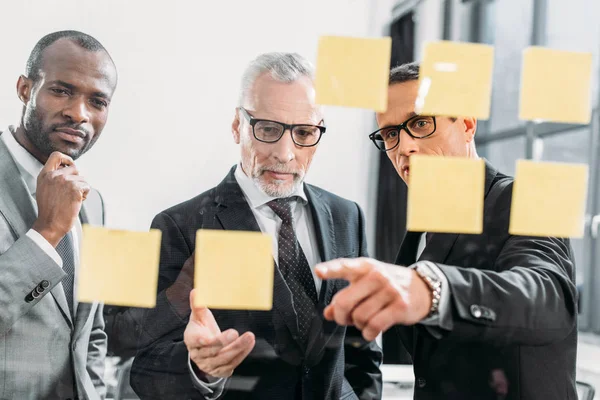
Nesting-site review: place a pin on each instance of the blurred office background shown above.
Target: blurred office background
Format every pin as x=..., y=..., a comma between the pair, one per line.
x=180, y=63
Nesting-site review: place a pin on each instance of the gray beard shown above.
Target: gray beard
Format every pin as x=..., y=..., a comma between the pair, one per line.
x=278, y=191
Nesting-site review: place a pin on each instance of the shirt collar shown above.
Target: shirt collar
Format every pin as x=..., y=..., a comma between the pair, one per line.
x=28, y=165
x=257, y=197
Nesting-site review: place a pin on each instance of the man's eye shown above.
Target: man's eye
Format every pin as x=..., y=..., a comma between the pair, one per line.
x=59, y=91
x=99, y=103
x=390, y=134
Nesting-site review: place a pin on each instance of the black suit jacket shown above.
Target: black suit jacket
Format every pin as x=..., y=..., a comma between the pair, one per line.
x=335, y=364
x=513, y=308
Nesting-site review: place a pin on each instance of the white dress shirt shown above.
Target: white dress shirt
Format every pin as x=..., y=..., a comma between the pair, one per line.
x=29, y=168
x=270, y=223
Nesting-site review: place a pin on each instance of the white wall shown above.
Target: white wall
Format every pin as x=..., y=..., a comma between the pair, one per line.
x=168, y=136
x=429, y=23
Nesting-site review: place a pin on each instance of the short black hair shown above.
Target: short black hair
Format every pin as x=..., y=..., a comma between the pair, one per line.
x=404, y=73
x=34, y=62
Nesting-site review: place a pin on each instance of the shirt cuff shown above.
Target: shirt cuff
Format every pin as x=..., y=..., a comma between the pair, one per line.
x=211, y=389
x=443, y=318
x=45, y=246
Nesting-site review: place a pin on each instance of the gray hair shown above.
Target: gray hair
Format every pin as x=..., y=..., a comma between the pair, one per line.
x=404, y=73
x=283, y=67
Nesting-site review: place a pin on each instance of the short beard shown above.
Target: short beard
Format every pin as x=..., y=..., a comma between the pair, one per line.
x=40, y=138
x=34, y=130
x=276, y=189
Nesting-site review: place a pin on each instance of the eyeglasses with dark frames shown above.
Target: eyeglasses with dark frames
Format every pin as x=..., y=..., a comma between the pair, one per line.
x=417, y=127
x=268, y=131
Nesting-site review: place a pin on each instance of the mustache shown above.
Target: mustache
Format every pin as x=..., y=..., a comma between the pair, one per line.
x=282, y=169
x=77, y=127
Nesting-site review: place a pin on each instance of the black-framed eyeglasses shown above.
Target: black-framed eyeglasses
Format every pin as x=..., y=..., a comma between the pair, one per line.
x=268, y=131
x=417, y=127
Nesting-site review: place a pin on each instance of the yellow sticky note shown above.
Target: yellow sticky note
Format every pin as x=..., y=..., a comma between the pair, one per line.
x=556, y=86
x=455, y=80
x=353, y=72
x=548, y=199
x=119, y=267
x=445, y=194
x=234, y=270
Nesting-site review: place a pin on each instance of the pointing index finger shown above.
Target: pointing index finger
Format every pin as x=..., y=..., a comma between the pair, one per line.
x=343, y=268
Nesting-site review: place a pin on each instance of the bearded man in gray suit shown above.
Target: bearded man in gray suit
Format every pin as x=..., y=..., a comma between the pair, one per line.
x=52, y=346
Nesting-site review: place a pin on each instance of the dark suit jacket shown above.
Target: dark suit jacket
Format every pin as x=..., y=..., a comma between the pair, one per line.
x=332, y=366
x=513, y=308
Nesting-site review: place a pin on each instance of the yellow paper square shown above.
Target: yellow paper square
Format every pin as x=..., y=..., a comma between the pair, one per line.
x=234, y=270
x=445, y=194
x=353, y=72
x=455, y=80
x=119, y=267
x=548, y=199
x=556, y=86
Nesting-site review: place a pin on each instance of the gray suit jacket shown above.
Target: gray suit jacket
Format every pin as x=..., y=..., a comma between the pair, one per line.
x=44, y=354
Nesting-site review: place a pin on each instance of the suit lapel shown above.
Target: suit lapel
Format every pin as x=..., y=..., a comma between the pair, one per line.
x=324, y=229
x=408, y=249
x=16, y=204
x=61, y=300
x=235, y=215
x=322, y=332
x=83, y=309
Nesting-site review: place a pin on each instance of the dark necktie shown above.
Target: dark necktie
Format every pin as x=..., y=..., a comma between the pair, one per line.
x=294, y=267
x=65, y=251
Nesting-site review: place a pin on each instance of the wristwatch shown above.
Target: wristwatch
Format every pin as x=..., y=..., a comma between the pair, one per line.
x=434, y=283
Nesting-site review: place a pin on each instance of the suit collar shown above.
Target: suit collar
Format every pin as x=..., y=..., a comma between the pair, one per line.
x=440, y=244
x=29, y=167
x=490, y=176
x=16, y=204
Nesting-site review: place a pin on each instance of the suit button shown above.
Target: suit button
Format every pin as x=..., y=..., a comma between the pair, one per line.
x=421, y=383
x=39, y=289
x=306, y=370
x=476, y=311
x=44, y=284
x=29, y=298
x=35, y=294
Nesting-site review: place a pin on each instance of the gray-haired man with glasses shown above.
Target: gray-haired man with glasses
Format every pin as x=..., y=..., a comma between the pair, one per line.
x=291, y=352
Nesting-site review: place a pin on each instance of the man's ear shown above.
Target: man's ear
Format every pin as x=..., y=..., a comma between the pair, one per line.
x=24, y=89
x=235, y=127
x=470, y=128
